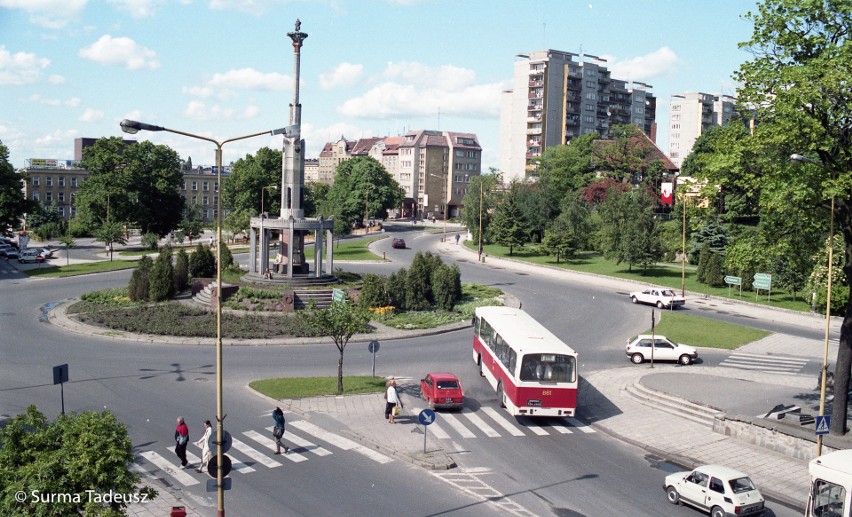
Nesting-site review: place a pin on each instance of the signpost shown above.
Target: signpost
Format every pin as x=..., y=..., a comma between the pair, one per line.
x=734, y=280
x=60, y=376
x=762, y=281
x=337, y=295
x=823, y=424
x=426, y=418
x=373, y=347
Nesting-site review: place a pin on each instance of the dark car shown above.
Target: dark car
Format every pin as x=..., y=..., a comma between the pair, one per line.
x=398, y=243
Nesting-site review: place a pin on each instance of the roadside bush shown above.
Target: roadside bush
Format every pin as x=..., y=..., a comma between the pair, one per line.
x=418, y=284
x=395, y=289
x=713, y=272
x=373, y=291
x=446, y=286
x=161, y=285
x=150, y=240
x=181, y=270
x=137, y=289
x=702, y=265
x=202, y=264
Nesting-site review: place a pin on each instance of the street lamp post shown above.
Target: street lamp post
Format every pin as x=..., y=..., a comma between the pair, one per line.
x=479, y=246
x=798, y=158
x=133, y=127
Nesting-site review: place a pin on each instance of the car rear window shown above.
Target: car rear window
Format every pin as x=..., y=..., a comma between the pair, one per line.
x=741, y=485
x=448, y=385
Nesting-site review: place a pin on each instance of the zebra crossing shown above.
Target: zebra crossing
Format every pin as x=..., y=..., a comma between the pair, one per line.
x=766, y=363
x=254, y=450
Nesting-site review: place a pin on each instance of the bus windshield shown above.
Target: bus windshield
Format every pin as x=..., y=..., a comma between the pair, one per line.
x=547, y=368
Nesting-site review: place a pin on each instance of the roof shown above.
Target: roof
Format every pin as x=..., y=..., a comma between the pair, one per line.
x=523, y=331
x=722, y=471
x=443, y=376
x=655, y=153
x=837, y=460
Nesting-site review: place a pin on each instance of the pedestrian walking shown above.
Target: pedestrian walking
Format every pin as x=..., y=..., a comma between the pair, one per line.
x=278, y=430
x=211, y=241
x=204, y=444
x=394, y=404
x=457, y=239
x=181, y=439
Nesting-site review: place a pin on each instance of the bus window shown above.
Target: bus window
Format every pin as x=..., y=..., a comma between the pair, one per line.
x=547, y=368
x=513, y=361
x=828, y=499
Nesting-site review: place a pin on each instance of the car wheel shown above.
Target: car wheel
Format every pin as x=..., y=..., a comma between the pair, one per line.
x=672, y=495
x=685, y=360
x=633, y=299
x=660, y=304
x=500, y=395
x=717, y=511
x=637, y=358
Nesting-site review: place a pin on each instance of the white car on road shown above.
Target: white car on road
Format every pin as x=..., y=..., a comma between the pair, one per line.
x=662, y=297
x=721, y=491
x=639, y=350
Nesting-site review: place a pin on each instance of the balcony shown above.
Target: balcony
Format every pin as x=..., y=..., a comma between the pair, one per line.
x=534, y=107
x=534, y=130
x=535, y=83
x=535, y=118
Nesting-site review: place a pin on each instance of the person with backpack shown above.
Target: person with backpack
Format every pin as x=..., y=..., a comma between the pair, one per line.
x=181, y=440
x=278, y=430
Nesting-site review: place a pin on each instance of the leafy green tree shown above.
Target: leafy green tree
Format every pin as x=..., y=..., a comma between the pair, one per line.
x=134, y=183
x=315, y=203
x=41, y=215
x=241, y=190
x=597, y=191
x=712, y=235
x=227, y=257
x=508, y=227
x=202, y=263
x=110, y=233
x=139, y=286
x=418, y=282
x=481, y=188
x=73, y=454
x=192, y=223
x=339, y=322
x=373, y=291
x=798, y=84
x=181, y=270
x=565, y=168
x=363, y=181
x=622, y=158
x=238, y=221
x=68, y=241
x=701, y=270
x=395, y=289
x=628, y=231
x=150, y=241
x=446, y=286
x=817, y=283
x=713, y=273
x=13, y=204
x=538, y=208
x=161, y=283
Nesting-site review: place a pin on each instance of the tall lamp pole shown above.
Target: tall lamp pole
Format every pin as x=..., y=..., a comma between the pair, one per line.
x=133, y=127
x=683, y=248
x=479, y=247
x=798, y=158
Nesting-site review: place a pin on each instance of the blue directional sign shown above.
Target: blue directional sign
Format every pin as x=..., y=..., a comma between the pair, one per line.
x=823, y=424
x=426, y=417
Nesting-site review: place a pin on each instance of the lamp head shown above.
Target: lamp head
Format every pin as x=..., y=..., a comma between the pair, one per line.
x=798, y=158
x=132, y=126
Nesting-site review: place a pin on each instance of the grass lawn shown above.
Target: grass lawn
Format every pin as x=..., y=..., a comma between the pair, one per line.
x=81, y=269
x=302, y=387
x=356, y=249
x=698, y=331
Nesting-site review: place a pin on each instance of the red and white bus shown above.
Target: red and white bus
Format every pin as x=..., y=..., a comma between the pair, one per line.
x=533, y=372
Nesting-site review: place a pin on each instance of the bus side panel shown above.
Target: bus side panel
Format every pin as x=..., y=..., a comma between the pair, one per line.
x=556, y=397
x=488, y=368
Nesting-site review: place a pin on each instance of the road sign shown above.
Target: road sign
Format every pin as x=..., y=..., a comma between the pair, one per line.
x=226, y=442
x=337, y=295
x=733, y=280
x=60, y=374
x=373, y=347
x=823, y=424
x=762, y=281
x=226, y=466
x=426, y=417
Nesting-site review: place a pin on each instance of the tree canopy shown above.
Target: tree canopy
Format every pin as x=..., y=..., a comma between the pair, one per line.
x=241, y=190
x=13, y=206
x=363, y=183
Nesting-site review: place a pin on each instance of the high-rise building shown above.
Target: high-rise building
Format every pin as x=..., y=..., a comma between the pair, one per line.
x=690, y=115
x=557, y=96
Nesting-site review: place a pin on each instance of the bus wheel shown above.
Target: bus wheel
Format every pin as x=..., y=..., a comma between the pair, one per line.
x=500, y=395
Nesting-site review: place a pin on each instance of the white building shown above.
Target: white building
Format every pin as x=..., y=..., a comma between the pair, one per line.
x=690, y=115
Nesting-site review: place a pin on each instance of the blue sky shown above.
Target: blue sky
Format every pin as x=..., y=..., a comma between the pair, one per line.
x=224, y=68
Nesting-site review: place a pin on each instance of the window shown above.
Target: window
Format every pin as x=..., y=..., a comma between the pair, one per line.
x=48, y=197
x=215, y=186
x=205, y=186
x=61, y=197
x=589, y=107
x=716, y=485
x=183, y=185
x=48, y=181
x=61, y=181
x=591, y=96
x=204, y=200
x=459, y=153
x=639, y=109
x=194, y=185
x=675, y=135
x=588, y=119
x=35, y=181
x=591, y=84
x=675, y=126
x=74, y=182
x=675, y=107
x=676, y=116
x=35, y=196
x=73, y=198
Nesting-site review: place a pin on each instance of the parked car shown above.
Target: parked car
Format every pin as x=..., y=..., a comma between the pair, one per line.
x=8, y=241
x=8, y=252
x=46, y=252
x=398, y=243
x=639, y=350
x=442, y=390
x=30, y=255
x=660, y=296
x=719, y=490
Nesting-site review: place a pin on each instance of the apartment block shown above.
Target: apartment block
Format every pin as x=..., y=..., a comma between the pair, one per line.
x=693, y=113
x=557, y=96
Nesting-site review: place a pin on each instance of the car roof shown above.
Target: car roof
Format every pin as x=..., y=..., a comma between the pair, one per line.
x=443, y=376
x=721, y=471
x=655, y=336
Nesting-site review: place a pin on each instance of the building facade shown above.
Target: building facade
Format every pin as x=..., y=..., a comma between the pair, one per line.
x=693, y=113
x=557, y=96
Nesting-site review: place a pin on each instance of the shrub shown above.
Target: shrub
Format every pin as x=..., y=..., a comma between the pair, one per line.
x=150, y=240
x=137, y=289
x=373, y=291
x=202, y=264
x=713, y=272
x=702, y=265
x=418, y=283
x=181, y=270
x=395, y=289
x=227, y=257
x=446, y=286
x=162, y=278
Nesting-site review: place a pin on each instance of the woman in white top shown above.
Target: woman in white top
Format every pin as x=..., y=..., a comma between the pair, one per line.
x=203, y=443
x=392, y=397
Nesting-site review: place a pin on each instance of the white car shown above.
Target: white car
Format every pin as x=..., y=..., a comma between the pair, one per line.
x=639, y=350
x=720, y=490
x=662, y=297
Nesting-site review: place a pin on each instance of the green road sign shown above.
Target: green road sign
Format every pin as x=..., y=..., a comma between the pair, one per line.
x=733, y=280
x=762, y=281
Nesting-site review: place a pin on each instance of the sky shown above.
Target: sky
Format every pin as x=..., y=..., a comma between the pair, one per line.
x=225, y=68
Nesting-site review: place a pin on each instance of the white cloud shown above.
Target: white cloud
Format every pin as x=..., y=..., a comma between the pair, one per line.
x=345, y=74
x=424, y=91
x=642, y=68
x=41, y=100
x=52, y=14
x=197, y=91
x=249, y=6
x=250, y=79
x=73, y=102
x=20, y=68
x=137, y=8
x=120, y=51
x=56, y=79
x=57, y=138
x=197, y=110
x=91, y=115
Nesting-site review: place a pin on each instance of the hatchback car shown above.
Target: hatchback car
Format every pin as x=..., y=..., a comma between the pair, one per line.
x=660, y=296
x=442, y=390
x=30, y=255
x=398, y=243
x=639, y=350
x=716, y=489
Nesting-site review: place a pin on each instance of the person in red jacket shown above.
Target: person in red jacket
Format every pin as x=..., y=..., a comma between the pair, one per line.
x=181, y=440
